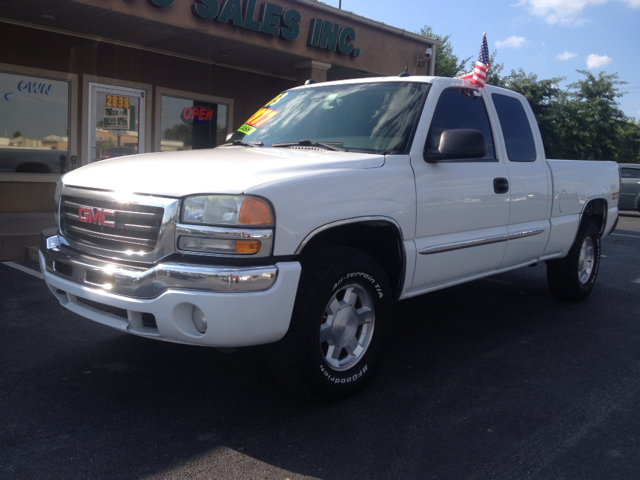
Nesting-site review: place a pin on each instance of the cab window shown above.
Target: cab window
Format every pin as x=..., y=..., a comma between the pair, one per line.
x=630, y=172
x=460, y=108
x=515, y=128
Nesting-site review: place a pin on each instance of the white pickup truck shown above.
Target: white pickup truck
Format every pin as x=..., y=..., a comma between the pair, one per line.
x=333, y=201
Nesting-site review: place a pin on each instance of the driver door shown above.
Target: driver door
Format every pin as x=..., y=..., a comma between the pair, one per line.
x=462, y=204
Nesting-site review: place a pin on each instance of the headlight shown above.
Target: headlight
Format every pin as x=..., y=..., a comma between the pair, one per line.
x=56, y=199
x=225, y=225
x=226, y=210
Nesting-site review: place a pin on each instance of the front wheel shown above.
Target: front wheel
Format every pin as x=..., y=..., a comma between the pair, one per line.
x=339, y=323
x=573, y=277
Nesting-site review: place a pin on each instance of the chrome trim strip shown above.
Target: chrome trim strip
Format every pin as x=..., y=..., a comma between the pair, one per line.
x=526, y=233
x=139, y=282
x=449, y=247
x=348, y=221
x=265, y=236
x=108, y=236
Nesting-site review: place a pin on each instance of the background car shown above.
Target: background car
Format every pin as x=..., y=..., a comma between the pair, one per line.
x=118, y=152
x=630, y=186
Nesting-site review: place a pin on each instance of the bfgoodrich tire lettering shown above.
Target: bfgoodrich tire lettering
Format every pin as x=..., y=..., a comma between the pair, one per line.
x=339, y=323
x=573, y=277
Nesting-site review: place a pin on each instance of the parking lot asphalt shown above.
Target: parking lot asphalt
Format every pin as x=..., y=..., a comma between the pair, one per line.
x=494, y=379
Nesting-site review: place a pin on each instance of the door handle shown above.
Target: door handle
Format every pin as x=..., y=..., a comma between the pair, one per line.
x=500, y=185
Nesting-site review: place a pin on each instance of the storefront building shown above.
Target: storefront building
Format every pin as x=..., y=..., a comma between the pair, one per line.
x=86, y=80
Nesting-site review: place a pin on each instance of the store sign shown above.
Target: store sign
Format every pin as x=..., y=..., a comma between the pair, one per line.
x=196, y=114
x=329, y=36
x=116, y=118
x=32, y=89
x=272, y=20
x=118, y=102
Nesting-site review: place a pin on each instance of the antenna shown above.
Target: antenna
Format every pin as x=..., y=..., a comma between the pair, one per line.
x=406, y=71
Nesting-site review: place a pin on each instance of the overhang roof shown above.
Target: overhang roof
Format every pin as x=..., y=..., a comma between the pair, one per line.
x=88, y=18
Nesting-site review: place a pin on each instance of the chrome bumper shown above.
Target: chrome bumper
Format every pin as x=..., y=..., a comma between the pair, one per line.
x=139, y=282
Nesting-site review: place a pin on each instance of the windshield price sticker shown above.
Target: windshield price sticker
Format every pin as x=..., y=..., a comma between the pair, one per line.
x=261, y=117
x=118, y=102
x=276, y=99
x=247, y=129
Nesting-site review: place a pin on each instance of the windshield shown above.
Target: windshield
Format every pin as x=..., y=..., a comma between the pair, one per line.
x=369, y=117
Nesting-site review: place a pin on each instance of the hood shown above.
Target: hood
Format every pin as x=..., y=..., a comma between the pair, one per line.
x=221, y=170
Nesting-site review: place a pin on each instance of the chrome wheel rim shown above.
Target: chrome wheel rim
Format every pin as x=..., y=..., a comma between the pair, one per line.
x=586, y=260
x=347, y=327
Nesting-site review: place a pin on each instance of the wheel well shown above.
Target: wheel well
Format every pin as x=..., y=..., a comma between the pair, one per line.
x=597, y=209
x=380, y=239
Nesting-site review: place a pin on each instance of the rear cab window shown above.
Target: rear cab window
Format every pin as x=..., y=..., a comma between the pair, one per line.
x=516, y=129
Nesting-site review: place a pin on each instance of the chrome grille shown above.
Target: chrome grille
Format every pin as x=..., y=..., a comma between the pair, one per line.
x=113, y=225
x=135, y=227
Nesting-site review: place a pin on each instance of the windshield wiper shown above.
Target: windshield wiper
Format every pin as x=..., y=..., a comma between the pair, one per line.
x=311, y=143
x=244, y=144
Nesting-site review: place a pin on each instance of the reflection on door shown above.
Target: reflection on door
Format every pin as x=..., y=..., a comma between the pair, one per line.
x=116, y=122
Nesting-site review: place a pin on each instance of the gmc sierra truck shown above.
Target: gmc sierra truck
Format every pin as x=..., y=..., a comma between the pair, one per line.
x=330, y=203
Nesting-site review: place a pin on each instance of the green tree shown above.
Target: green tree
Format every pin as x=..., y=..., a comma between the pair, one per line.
x=596, y=129
x=181, y=132
x=447, y=64
x=105, y=144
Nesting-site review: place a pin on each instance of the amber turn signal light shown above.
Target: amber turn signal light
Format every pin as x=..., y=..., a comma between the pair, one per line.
x=254, y=212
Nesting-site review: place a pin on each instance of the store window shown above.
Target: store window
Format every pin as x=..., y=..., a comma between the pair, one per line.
x=117, y=115
x=34, y=124
x=191, y=124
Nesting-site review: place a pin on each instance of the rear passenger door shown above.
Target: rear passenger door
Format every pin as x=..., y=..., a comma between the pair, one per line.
x=529, y=180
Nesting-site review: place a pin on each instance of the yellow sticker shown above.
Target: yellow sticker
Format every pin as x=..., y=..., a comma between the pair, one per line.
x=277, y=99
x=247, y=129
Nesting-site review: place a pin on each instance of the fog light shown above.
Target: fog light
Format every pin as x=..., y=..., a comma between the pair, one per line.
x=206, y=245
x=245, y=246
x=199, y=320
x=214, y=245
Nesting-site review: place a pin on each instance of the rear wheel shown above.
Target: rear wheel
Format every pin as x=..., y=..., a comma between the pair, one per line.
x=339, y=323
x=573, y=277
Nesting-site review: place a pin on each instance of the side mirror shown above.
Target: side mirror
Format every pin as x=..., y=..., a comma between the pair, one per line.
x=458, y=143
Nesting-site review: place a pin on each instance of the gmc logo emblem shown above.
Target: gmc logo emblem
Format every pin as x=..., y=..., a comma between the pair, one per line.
x=97, y=216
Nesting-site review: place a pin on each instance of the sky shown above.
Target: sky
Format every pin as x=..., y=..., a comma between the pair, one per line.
x=550, y=38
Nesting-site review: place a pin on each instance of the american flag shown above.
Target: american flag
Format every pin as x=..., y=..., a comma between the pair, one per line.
x=479, y=74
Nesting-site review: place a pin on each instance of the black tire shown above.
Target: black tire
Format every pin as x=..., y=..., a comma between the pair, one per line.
x=572, y=277
x=345, y=293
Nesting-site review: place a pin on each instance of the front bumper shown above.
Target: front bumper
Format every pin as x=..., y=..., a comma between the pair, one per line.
x=243, y=305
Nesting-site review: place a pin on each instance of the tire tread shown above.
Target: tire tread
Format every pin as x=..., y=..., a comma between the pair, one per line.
x=287, y=359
